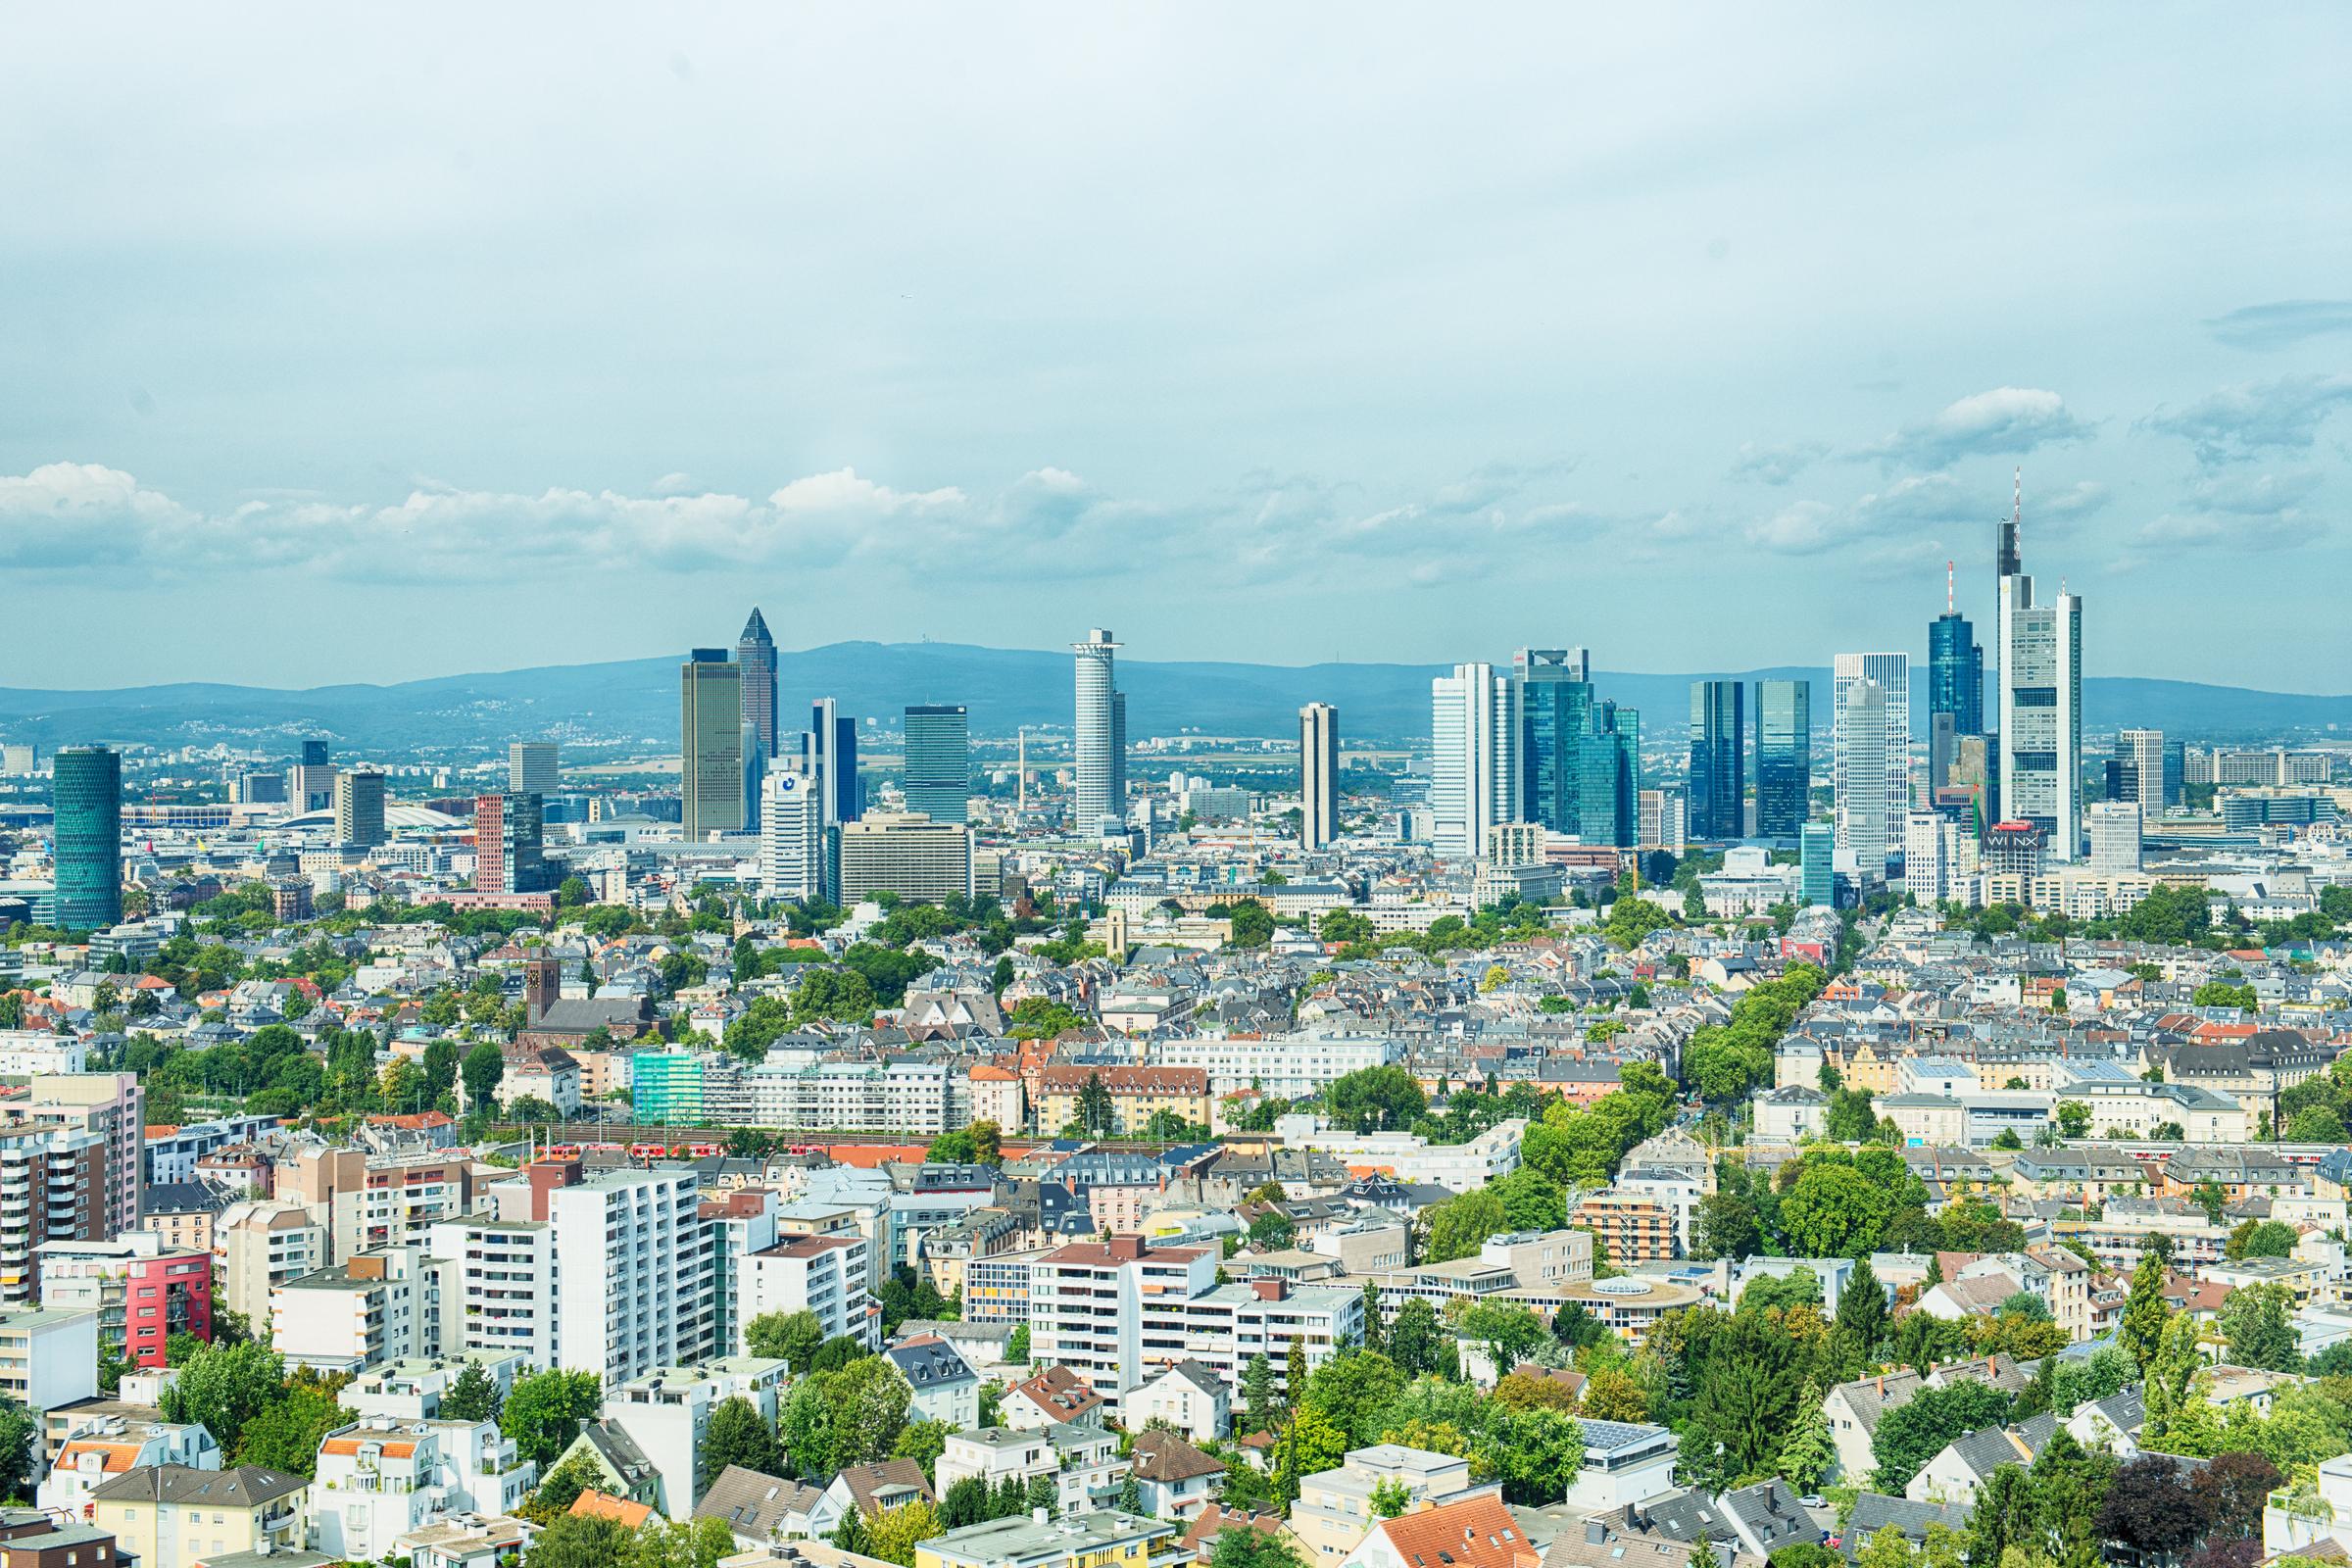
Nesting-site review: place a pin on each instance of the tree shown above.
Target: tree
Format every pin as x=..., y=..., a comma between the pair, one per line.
x=1460, y=1225
x=1253, y=923
x=484, y=1065
x=2263, y=1238
x=1016, y=1348
x=1834, y=1211
x=559, y=1487
x=472, y=1397
x=853, y=1416
x=2232, y=1490
x=1748, y=1380
x=1611, y=1395
x=1258, y=1396
x=2151, y=1509
x=682, y=1544
x=1390, y=1499
x=1728, y=1226
x=1415, y=1338
x=1850, y=1118
x=1810, y=1452
x=1375, y=1099
x=2074, y=1117
x=582, y=1540
x=223, y=1390
x=1308, y=1444
x=1272, y=1231
x=1862, y=1308
x=1508, y=1330
x=2005, y=1515
x=923, y=1442
x=1537, y=1453
x=739, y=1435
x=792, y=1338
x=2258, y=1323
x=285, y=1435
x=20, y=1433
x=1914, y=1433
x=1243, y=1546
x=1353, y=1391
x=1096, y=1116
x=2142, y=1328
x=544, y=1412
x=896, y=1532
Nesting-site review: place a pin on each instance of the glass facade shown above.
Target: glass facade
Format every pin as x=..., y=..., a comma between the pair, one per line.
x=1609, y=777
x=1820, y=848
x=1783, y=757
x=1555, y=707
x=1957, y=672
x=88, y=803
x=1718, y=775
x=939, y=762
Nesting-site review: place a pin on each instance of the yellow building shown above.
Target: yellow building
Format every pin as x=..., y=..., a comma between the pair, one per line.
x=1103, y=1539
x=168, y=1513
x=1136, y=1095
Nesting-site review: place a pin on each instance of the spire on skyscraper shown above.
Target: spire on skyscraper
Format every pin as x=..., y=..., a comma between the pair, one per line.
x=754, y=630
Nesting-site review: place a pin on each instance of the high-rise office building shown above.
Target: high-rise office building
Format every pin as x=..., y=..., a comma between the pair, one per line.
x=1865, y=803
x=508, y=844
x=1956, y=671
x=1098, y=755
x=920, y=861
x=1473, y=765
x=2115, y=828
x=795, y=844
x=833, y=761
x=1931, y=858
x=756, y=656
x=534, y=768
x=1665, y=822
x=1893, y=674
x=2040, y=647
x=711, y=765
x=2138, y=769
x=1817, y=863
x=754, y=774
x=311, y=782
x=1554, y=702
x=360, y=807
x=1318, y=774
x=938, y=761
x=87, y=799
x=2176, y=769
x=1718, y=769
x=1783, y=757
x=1608, y=785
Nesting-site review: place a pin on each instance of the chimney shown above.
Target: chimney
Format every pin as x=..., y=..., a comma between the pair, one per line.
x=1271, y=1290
x=1126, y=1248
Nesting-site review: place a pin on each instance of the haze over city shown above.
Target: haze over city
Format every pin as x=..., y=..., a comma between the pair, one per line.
x=1703, y=338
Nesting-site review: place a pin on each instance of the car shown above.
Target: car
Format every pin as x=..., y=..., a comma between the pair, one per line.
x=1811, y=1502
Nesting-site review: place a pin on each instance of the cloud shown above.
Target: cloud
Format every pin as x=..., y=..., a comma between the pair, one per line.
x=1775, y=465
x=2238, y=422
x=2282, y=323
x=2253, y=494
x=2006, y=420
x=65, y=514
x=2239, y=512
x=2078, y=500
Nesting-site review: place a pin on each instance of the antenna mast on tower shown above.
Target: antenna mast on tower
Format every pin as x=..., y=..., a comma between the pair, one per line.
x=1947, y=588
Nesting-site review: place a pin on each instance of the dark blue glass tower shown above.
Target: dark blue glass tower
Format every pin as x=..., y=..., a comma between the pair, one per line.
x=1718, y=774
x=1956, y=673
x=1555, y=705
x=87, y=800
x=1783, y=757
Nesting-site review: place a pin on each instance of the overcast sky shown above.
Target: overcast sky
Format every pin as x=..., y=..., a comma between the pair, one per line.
x=369, y=343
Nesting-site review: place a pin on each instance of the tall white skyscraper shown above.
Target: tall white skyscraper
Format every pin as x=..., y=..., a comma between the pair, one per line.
x=1318, y=774
x=1099, y=723
x=2040, y=648
x=1930, y=857
x=2141, y=750
x=2115, y=827
x=1864, y=793
x=793, y=859
x=1893, y=672
x=1474, y=773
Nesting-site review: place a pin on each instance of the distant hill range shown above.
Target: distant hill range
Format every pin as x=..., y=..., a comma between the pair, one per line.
x=1003, y=687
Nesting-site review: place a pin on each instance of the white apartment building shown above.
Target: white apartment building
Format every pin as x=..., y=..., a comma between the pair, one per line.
x=48, y=1356
x=1293, y=1066
x=830, y=1276
x=110, y=1446
x=1410, y=1157
x=501, y=1286
x=666, y=1413
x=1083, y=1461
x=33, y=1053
x=1234, y=1324
x=378, y=1479
x=379, y=1307
x=906, y=1099
x=1090, y=1302
x=1931, y=858
x=633, y=1275
x=260, y=1244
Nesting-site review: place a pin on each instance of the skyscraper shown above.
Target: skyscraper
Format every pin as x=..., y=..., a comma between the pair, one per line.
x=1608, y=785
x=1554, y=702
x=1892, y=674
x=755, y=773
x=756, y=656
x=311, y=782
x=2140, y=756
x=2042, y=702
x=795, y=845
x=508, y=844
x=833, y=761
x=1318, y=774
x=939, y=762
x=1956, y=671
x=1783, y=757
x=534, y=768
x=1718, y=767
x=360, y=807
x=87, y=799
x=1473, y=766
x=710, y=764
x=1818, y=849
x=1864, y=798
x=2115, y=829
x=1099, y=754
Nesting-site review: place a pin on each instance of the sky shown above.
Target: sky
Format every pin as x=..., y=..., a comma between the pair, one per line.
x=346, y=343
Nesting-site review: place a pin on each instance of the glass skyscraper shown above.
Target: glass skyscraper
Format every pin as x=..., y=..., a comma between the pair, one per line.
x=87, y=800
x=1555, y=707
x=711, y=729
x=1718, y=774
x=1783, y=757
x=1957, y=672
x=939, y=762
x=756, y=659
x=1609, y=777
x=1820, y=876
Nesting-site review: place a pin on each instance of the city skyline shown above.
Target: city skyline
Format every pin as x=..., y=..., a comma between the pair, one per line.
x=1686, y=336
